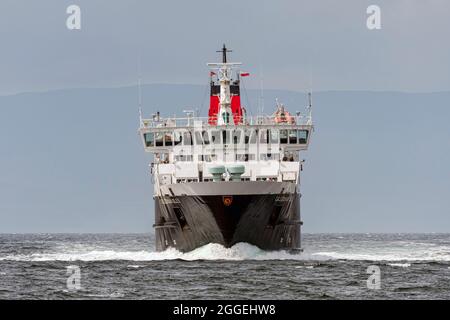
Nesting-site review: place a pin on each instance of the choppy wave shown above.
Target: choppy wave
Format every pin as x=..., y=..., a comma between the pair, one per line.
x=244, y=251
x=420, y=252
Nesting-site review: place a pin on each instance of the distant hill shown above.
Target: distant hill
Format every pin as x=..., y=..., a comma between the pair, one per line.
x=71, y=160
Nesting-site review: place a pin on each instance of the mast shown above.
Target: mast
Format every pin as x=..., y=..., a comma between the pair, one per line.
x=225, y=114
x=224, y=53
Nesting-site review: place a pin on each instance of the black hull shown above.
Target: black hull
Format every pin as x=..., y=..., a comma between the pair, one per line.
x=269, y=221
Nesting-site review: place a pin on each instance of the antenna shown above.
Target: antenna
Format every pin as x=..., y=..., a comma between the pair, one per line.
x=261, y=88
x=139, y=93
x=310, y=99
x=139, y=82
x=224, y=53
x=139, y=89
x=309, y=108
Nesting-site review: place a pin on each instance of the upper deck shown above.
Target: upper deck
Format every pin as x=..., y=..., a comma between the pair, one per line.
x=228, y=144
x=160, y=134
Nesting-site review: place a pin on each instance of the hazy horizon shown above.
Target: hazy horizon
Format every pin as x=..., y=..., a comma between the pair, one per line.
x=136, y=86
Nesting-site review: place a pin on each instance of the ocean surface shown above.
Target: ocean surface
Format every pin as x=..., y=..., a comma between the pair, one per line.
x=125, y=266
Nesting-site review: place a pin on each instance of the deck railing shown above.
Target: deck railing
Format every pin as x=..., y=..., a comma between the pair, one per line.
x=157, y=121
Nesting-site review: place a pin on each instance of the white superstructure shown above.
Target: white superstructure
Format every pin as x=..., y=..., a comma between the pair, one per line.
x=227, y=177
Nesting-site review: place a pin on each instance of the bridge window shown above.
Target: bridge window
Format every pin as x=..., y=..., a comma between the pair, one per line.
x=148, y=138
x=226, y=136
x=198, y=138
x=263, y=138
x=283, y=136
x=293, y=136
x=215, y=137
x=168, y=138
x=178, y=138
x=253, y=135
x=159, y=139
x=273, y=136
x=302, y=136
x=187, y=138
x=237, y=136
x=205, y=135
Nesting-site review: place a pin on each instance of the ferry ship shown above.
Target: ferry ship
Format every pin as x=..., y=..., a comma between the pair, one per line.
x=228, y=177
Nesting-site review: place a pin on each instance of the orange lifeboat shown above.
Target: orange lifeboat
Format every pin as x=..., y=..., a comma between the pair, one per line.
x=283, y=116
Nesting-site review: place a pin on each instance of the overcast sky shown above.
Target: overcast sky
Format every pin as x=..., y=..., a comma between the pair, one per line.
x=290, y=43
x=378, y=162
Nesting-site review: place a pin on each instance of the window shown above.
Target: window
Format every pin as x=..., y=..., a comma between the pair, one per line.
x=245, y=157
x=148, y=138
x=237, y=136
x=183, y=157
x=226, y=117
x=178, y=138
x=163, y=158
x=293, y=136
x=226, y=136
x=283, y=136
x=198, y=138
x=247, y=136
x=269, y=156
x=215, y=137
x=159, y=139
x=302, y=136
x=168, y=138
x=273, y=136
x=263, y=138
x=187, y=138
x=241, y=157
x=209, y=157
x=205, y=135
x=253, y=135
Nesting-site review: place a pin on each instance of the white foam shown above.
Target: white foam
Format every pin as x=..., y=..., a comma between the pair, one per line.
x=304, y=267
x=394, y=252
x=212, y=251
x=401, y=265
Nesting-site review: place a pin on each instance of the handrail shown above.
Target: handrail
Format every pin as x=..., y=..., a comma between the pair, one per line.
x=212, y=121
